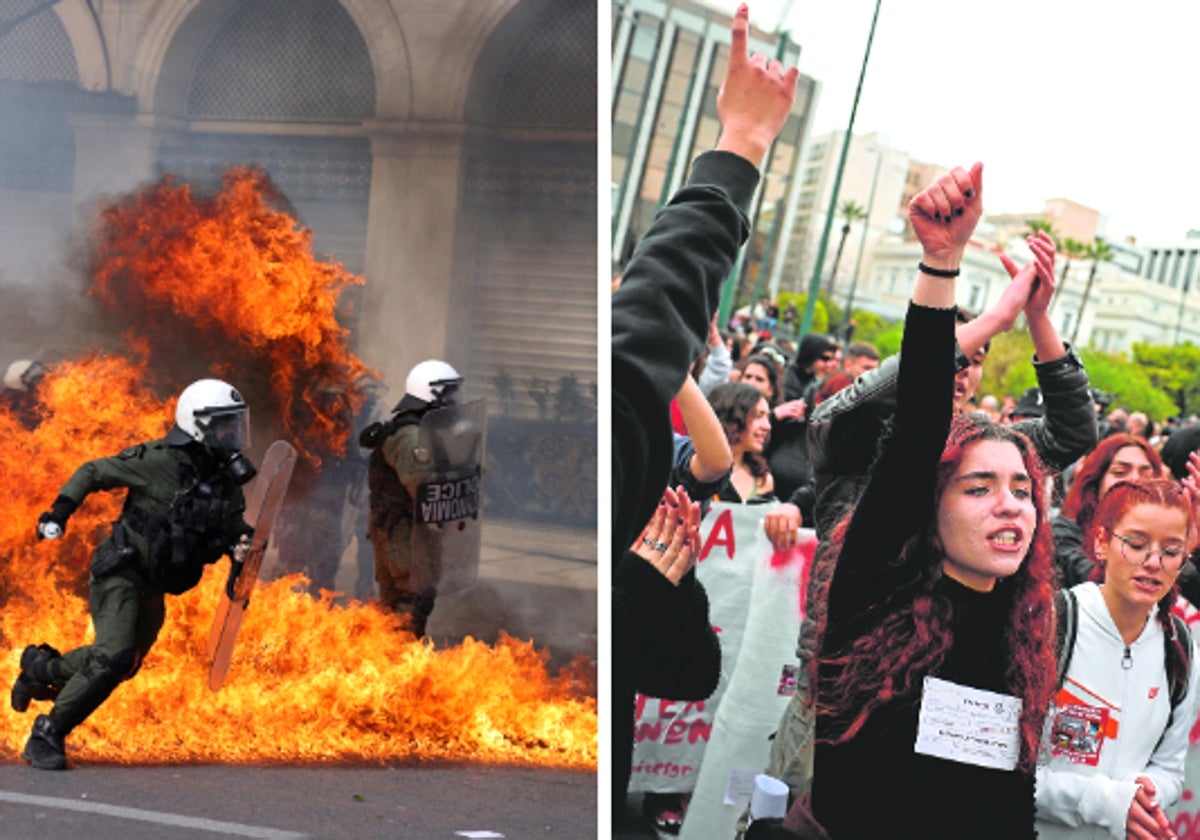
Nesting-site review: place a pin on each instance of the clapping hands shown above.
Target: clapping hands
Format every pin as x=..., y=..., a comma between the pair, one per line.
x=671, y=541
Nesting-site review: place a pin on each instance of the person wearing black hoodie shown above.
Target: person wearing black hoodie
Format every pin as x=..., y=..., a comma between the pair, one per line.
x=660, y=317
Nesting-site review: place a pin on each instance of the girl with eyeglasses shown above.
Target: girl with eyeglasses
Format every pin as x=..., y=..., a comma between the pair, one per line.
x=1112, y=758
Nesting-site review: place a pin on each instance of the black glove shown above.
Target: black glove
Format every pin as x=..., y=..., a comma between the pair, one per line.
x=53, y=523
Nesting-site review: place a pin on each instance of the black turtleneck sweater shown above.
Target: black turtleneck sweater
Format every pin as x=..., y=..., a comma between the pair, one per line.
x=875, y=785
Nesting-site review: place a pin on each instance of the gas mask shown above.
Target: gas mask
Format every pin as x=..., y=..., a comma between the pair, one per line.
x=226, y=435
x=236, y=465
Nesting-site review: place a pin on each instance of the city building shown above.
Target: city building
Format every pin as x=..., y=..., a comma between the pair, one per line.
x=668, y=60
x=879, y=180
x=1140, y=294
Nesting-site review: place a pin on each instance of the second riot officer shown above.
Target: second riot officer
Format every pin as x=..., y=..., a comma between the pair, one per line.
x=424, y=479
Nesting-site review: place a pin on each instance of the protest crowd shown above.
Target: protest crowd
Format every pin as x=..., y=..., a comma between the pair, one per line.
x=958, y=614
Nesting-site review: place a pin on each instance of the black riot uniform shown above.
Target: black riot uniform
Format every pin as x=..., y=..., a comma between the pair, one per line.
x=183, y=511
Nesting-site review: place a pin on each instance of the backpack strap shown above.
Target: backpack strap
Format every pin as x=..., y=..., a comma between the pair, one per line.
x=1178, y=660
x=1066, y=621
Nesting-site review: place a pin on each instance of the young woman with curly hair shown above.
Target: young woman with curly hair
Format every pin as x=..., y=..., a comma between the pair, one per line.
x=1114, y=755
x=936, y=661
x=745, y=414
x=1119, y=457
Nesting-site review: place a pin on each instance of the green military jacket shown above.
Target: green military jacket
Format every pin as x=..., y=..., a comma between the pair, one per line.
x=172, y=534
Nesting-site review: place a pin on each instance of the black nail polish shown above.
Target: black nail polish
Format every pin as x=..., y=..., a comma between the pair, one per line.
x=958, y=211
x=969, y=193
x=937, y=217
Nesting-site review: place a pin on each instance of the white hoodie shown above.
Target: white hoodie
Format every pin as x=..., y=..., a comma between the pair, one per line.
x=1085, y=785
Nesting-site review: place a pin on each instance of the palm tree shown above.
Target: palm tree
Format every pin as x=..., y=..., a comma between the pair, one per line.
x=1039, y=225
x=1072, y=249
x=852, y=212
x=1099, y=251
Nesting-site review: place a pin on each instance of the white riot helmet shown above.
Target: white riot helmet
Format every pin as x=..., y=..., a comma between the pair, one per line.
x=213, y=412
x=434, y=382
x=22, y=373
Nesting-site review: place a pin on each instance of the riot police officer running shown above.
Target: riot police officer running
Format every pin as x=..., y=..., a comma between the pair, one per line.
x=183, y=511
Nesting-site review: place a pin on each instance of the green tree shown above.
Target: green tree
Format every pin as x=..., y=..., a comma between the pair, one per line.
x=1099, y=251
x=867, y=325
x=1041, y=225
x=820, y=321
x=851, y=212
x=1007, y=370
x=1071, y=249
x=887, y=341
x=1128, y=382
x=1172, y=369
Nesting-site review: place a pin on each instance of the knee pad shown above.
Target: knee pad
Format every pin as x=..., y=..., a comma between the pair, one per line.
x=42, y=664
x=111, y=670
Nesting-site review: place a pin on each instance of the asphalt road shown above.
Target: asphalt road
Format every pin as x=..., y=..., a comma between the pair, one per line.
x=288, y=803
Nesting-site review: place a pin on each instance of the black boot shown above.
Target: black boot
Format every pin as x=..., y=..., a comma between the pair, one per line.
x=34, y=682
x=44, y=750
x=418, y=609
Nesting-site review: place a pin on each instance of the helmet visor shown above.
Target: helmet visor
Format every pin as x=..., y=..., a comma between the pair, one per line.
x=229, y=430
x=445, y=391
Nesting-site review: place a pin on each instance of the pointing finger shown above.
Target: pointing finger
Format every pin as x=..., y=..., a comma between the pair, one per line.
x=738, y=35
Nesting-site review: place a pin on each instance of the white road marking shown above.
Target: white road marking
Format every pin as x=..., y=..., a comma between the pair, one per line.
x=159, y=817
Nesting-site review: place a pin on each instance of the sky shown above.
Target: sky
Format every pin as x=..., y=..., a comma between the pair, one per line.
x=1096, y=102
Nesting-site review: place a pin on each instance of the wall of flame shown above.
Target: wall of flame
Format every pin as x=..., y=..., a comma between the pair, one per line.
x=227, y=285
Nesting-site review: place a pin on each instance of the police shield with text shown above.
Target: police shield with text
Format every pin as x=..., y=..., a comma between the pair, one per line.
x=183, y=511
x=425, y=477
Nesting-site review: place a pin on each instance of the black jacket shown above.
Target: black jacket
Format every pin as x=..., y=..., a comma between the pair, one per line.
x=844, y=430
x=660, y=318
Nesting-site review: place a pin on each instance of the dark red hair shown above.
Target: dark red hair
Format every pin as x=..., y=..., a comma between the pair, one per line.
x=831, y=386
x=1080, y=503
x=912, y=639
x=1118, y=501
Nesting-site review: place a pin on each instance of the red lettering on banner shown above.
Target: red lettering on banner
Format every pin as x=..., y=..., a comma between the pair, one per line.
x=667, y=709
x=1186, y=827
x=676, y=732
x=669, y=769
x=721, y=533
x=647, y=732
x=700, y=730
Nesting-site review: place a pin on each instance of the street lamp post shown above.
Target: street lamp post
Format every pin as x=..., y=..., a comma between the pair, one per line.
x=814, y=285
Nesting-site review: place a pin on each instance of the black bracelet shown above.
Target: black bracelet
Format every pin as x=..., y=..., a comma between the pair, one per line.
x=938, y=272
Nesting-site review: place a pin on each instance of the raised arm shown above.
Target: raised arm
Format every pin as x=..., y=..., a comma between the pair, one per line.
x=671, y=286
x=898, y=498
x=756, y=97
x=712, y=458
x=1067, y=430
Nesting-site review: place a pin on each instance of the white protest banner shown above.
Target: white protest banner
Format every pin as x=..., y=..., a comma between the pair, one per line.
x=1185, y=820
x=759, y=689
x=671, y=737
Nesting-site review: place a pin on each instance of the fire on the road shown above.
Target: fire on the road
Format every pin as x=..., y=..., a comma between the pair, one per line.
x=311, y=680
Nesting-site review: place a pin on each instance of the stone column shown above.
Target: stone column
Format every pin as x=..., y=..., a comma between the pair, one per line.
x=409, y=265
